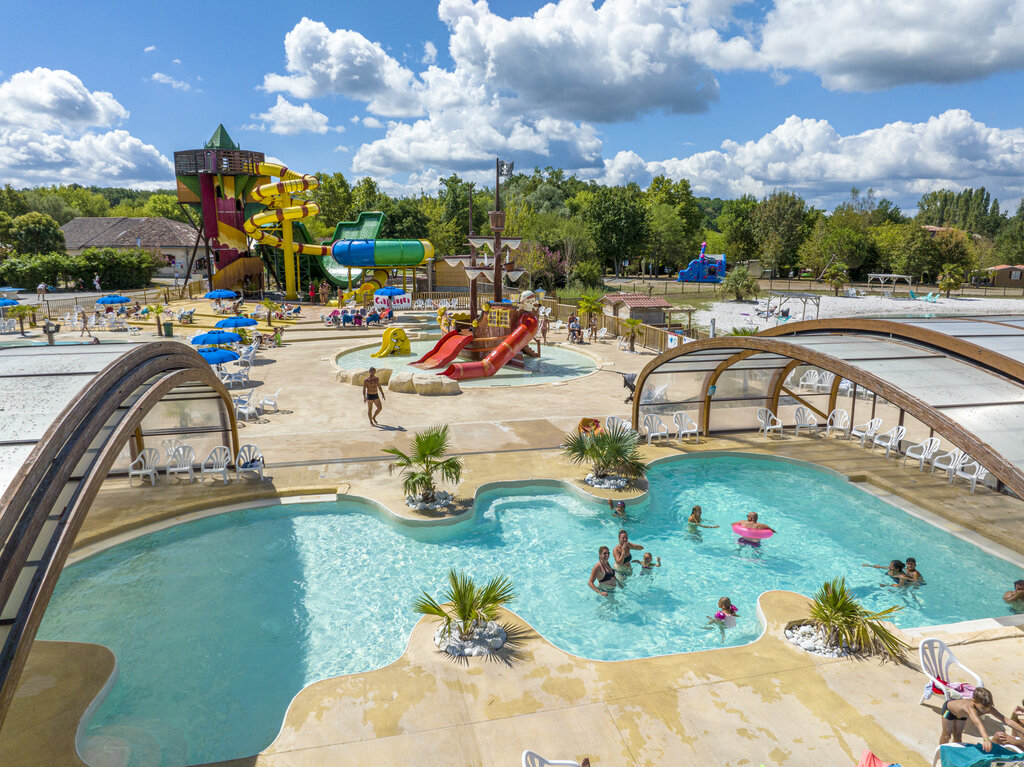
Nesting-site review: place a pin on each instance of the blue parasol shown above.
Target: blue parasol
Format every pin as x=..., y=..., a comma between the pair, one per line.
x=9, y=289
x=389, y=292
x=216, y=337
x=8, y=302
x=114, y=299
x=220, y=293
x=236, y=322
x=218, y=356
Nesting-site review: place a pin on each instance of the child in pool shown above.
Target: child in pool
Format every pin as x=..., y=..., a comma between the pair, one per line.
x=725, y=617
x=695, y=519
x=648, y=562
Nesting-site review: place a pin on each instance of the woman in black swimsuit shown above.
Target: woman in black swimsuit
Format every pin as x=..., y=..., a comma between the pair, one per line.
x=623, y=554
x=602, y=577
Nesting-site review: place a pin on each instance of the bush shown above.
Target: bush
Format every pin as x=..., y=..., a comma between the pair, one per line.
x=845, y=621
x=588, y=273
x=118, y=269
x=613, y=451
x=739, y=284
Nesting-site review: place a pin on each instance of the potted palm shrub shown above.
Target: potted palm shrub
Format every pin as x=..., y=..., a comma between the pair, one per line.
x=613, y=454
x=632, y=330
x=838, y=625
x=426, y=461
x=468, y=614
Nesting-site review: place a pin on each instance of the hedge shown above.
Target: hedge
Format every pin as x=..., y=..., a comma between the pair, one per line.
x=118, y=269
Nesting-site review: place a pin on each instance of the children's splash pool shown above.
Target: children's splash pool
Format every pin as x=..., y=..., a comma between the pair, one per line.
x=218, y=623
x=557, y=363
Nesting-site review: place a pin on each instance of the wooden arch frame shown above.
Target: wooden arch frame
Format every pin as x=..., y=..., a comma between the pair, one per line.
x=747, y=346
x=35, y=536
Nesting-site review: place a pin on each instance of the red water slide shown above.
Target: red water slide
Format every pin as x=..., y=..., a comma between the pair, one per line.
x=444, y=351
x=507, y=348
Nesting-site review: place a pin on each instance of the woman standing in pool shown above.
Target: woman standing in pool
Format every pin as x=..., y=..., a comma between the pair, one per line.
x=623, y=554
x=895, y=570
x=602, y=576
x=695, y=520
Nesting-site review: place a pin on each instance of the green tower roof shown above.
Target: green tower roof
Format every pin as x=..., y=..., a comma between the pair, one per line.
x=221, y=140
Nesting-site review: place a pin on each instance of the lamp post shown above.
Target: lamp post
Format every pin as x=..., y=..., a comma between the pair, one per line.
x=472, y=259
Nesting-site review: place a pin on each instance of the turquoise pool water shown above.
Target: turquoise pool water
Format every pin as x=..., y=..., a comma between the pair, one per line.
x=557, y=364
x=218, y=623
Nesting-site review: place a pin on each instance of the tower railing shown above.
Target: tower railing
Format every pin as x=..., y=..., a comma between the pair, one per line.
x=192, y=162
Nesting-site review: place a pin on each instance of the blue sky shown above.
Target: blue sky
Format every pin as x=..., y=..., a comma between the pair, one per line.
x=739, y=97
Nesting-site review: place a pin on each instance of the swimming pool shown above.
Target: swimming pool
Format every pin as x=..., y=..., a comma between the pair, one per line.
x=218, y=623
x=557, y=363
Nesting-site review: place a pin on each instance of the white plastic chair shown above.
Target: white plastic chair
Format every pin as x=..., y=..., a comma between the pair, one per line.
x=922, y=452
x=533, y=759
x=270, y=401
x=838, y=420
x=867, y=430
x=169, y=446
x=654, y=427
x=936, y=661
x=216, y=463
x=809, y=380
x=973, y=472
x=245, y=408
x=950, y=462
x=685, y=426
x=769, y=422
x=602, y=334
x=891, y=439
x=805, y=420
x=249, y=459
x=824, y=382
x=146, y=464
x=613, y=420
x=181, y=462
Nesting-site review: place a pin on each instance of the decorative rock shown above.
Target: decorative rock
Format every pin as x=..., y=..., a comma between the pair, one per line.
x=402, y=382
x=442, y=500
x=812, y=640
x=433, y=385
x=485, y=639
x=343, y=376
x=384, y=375
x=356, y=377
x=607, y=483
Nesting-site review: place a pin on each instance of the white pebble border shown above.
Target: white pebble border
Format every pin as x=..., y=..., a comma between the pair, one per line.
x=442, y=500
x=611, y=482
x=812, y=639
x=485, y=640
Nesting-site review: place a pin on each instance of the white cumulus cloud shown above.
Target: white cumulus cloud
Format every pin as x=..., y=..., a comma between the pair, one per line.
x=322, y=62
x=48, y=122
x=429, y=53
x=56, y=100
x=149, y=49
x=877, y=44
x=900, y=160
x=290, y=119
x=178, y=85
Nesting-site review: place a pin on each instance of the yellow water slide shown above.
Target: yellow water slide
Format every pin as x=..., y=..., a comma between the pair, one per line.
x=278, y=199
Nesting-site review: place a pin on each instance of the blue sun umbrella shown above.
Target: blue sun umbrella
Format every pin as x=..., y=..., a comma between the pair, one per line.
x=236, y=322
x=216, y=337
x=114, y=299
x=218, y=356
x=389, y=292
x=8, y=302
x=9, y=289
x=220, y=293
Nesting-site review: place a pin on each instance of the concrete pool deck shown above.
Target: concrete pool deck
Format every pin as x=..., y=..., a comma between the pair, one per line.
x=765, y=703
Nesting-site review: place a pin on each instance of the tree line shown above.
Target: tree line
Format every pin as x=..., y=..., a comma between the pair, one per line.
x=580, y=230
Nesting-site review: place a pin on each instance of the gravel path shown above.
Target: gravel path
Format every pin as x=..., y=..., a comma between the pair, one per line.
x=730, y=314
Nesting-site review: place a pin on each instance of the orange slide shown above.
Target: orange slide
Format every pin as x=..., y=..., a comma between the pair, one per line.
x=444, y=351
x=496, y=360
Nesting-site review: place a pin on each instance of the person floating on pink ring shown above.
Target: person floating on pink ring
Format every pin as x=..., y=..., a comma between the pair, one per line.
x=751, y=531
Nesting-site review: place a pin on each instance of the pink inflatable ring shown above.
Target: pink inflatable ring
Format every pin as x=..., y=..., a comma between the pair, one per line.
x=752, y=533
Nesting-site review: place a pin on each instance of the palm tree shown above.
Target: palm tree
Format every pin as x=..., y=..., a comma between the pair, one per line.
x=739, y=284
x=835, y=276
x=589, y=304
x=155, y=311
x=21, y=313
x=466, y=603
x=845, y=621
x=632, y=330
x=613, y=451
x=952, y=277
x=271, y=307
x=426, y=459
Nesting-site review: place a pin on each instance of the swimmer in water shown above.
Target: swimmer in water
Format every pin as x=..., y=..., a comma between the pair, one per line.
x=695, y=519
x=618, y=508
x=602, y=576
x=725, y=617
x=895, y=571
x=648, y=562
